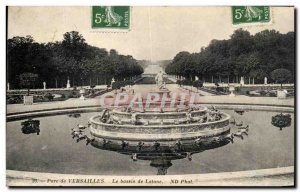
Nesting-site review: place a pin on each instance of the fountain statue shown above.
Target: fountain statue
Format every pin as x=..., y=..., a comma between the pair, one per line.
x=112, y=82
x=242, y=81
x=266, y=81
x=68, y=84
x=159, y=78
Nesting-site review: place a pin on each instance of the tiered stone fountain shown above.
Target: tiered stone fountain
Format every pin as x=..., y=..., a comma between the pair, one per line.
x=159, y=134
x=154, y=124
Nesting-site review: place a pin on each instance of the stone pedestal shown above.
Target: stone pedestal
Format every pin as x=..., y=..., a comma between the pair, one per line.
x=82, y=92
x=28, y=100
x=231, y=89
x=281, y=94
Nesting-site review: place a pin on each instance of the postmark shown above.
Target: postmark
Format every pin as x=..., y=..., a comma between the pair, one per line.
x=111, y=17
x=250, y=14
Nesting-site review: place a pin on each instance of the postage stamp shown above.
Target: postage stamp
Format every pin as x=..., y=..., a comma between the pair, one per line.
x=250, y=14
x=111, y=17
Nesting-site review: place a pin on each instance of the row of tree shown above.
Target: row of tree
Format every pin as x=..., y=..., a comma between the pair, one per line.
x=251, y=56
x=72, y=59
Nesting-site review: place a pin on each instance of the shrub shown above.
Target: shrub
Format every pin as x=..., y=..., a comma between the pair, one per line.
x=12, y=100
x=219, y=89
x=197, y=83
x=272, y=94
x=263, y=93
x=281, y=75
x=119, y=84
x=49, y=96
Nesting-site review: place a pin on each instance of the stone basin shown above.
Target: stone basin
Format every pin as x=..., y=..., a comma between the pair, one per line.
x=164, y=132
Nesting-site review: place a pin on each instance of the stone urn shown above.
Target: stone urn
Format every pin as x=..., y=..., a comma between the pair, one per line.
x=231, y=89
x=82, y=92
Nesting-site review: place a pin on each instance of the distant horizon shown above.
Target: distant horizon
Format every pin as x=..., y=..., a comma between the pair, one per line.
x=157, y=33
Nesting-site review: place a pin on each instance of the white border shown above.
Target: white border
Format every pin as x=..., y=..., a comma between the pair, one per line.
x=3, y=3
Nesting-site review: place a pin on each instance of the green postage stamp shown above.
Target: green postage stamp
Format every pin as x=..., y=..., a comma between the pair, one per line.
x=250, y=14
x=111, y=17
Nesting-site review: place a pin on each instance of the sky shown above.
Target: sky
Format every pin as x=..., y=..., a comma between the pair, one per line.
x=156, y=33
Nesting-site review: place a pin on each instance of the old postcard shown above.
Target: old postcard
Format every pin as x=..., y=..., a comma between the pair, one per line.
x=150, y=96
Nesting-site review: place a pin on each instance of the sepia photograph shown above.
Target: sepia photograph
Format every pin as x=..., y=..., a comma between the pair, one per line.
x=150, y=96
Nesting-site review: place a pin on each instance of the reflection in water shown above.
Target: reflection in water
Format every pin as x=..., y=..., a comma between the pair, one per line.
x=161, y=164
x=78, y=132
x=30, y=126
x=55, y=151
x=159, y=154
x=239, y=111
x=281, y=120
x=74, y=115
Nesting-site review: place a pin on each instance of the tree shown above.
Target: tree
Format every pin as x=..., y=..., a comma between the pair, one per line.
x=241, y=42
x=72, y=57
x=258, y=74
x=246, y=63
x=74, y=51
x=19, y=55
x=243, y=54
x=281, y=75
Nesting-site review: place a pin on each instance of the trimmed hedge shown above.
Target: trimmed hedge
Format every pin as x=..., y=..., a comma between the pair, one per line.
x=119, y=84
x=197, y=83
